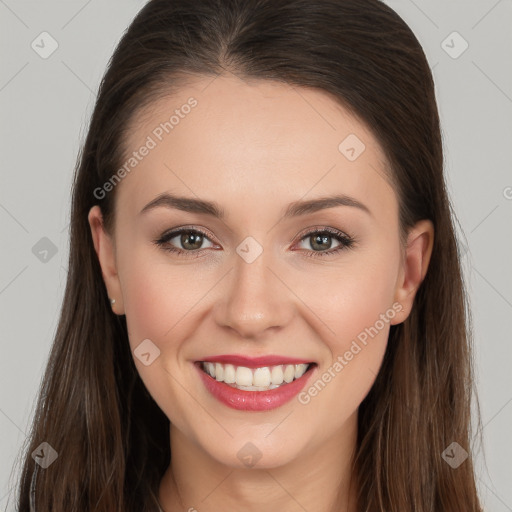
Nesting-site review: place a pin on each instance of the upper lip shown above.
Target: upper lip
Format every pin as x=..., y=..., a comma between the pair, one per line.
x=254, y=362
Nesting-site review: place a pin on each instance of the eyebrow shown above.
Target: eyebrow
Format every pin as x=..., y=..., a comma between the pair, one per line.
x=295, y=209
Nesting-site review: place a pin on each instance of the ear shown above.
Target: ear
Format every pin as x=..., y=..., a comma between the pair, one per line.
x=105, y=250
x=420, y=241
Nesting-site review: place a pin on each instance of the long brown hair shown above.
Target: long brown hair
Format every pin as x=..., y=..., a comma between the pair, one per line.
x=111, y=437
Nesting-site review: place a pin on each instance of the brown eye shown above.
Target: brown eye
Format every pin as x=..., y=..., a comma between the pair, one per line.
x=320, y=242
x=191, y=240
x=184, y=241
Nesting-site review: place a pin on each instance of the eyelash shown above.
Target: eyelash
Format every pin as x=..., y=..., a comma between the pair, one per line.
x=346, y=242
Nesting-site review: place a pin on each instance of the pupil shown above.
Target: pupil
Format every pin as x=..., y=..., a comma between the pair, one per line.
x=194, y=244
x=318, y=240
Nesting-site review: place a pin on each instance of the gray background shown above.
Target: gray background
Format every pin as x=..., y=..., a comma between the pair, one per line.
x=45, y=106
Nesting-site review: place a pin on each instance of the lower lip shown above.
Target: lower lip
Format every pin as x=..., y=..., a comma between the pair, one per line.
x=253, y=400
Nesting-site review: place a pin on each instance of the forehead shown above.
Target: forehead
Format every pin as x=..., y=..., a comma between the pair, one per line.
x=217, y=137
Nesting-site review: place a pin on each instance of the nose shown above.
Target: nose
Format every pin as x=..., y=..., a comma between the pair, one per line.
x=255, y=300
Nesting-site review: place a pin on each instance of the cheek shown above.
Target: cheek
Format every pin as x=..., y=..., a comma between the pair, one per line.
x=352, y=297
x=149, y=310
x=358, y=308
x=156, y=298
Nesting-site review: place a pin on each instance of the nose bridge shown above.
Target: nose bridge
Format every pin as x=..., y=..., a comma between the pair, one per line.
x=255, y=299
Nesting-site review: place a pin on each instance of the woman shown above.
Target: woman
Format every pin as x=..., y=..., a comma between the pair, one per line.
x=264, y=307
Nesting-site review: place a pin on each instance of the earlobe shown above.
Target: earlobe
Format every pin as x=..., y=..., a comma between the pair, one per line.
x=418, y=251
x=104, y=247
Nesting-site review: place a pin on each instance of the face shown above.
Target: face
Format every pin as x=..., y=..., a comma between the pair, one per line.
x=320, y=284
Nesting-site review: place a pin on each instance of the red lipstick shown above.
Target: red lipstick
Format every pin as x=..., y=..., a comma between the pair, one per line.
x=254, y=400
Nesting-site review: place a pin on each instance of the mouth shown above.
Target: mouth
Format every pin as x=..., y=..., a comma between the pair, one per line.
x=261, y=378
x=255, y=388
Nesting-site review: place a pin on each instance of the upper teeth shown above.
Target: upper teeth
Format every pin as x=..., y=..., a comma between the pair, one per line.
x=261, y=377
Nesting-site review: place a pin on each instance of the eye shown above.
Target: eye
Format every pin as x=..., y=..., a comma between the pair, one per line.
x=190, y=240
x=320, y=241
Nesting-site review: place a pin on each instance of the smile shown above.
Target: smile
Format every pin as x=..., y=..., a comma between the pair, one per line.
x=254, y=379
x=254, y=388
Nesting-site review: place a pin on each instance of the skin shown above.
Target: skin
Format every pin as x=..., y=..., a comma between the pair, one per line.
x=254, y=147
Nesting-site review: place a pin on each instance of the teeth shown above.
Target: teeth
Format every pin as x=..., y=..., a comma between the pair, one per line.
x=229, y=374
x=289, y=373
x=261, y=377
x=277, y=375
x=219, y=372
x=243, y=376
x=255, y=379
